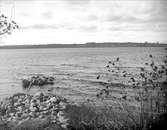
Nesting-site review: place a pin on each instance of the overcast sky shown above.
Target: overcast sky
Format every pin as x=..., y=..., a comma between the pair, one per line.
x=80, y=21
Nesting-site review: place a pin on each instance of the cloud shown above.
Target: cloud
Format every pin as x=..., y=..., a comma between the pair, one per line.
x=40, y=26
x=77, y=2
x=104, y=19
x=123, y=18
x=89, y=28
x=52, y=26
x=161, y=27
x=92, y=17
x=47, y=15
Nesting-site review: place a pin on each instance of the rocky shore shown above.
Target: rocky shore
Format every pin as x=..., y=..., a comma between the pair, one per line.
x=37, y=80
x=23, y=107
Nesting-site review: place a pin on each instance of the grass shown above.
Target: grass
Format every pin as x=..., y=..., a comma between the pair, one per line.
x=89, y=117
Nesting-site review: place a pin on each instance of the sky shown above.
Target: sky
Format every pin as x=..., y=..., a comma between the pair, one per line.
x=80, y=21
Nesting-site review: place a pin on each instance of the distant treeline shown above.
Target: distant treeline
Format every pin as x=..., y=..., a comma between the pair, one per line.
x=86, y=45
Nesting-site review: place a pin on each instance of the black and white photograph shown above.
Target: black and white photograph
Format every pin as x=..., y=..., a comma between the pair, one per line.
x=83, y=64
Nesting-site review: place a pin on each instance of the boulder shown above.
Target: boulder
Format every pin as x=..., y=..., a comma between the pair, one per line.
x=26, y=83
x=39, y=95
x=38, y=80
x=53, y=99
x=62, y=105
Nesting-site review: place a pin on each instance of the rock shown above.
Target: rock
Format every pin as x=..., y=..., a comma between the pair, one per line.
x=39, y=94
x=16, y=104
x=33, y=100
x=62, y=119
x=65, y=125
x=19, y=100
x=34, y=104
x=12, y=114
x=49, y=105
x=60, y=113
x=9, y=119
x=26, y=110
x=53, y=99
x=9, y=107
x=41, y=116
x=37, y=113
x=54, y=113
x=38, y=80
x=30, y=107
x=43, y=108
x=45, y=112
x=18, y=114
x=34, y=109
x=25, y=115
x=32, y=114
x=26, y=83
x=62, y=105
x=27, y=101
x=55, y=108
x=14, y=119
x=51, y=78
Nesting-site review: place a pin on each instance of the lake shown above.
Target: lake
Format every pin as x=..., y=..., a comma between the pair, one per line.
x=75, y=69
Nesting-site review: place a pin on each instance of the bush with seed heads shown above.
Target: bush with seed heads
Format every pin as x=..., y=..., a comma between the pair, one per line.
x=7, y=25
x=149, y=86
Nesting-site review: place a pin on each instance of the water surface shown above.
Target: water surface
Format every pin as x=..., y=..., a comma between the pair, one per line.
x=75, y=69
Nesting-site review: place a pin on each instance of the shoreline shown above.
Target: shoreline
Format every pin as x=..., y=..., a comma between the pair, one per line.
x=86, y=45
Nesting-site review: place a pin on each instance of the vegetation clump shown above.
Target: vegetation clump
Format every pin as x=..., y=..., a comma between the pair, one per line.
x=148, y=91
x=6, y=25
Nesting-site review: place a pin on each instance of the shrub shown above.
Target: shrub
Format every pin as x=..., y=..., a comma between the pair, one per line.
x=6, y=25
x=149, y=86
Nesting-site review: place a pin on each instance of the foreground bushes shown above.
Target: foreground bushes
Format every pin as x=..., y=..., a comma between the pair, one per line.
x=85, y=116
x=149, y=87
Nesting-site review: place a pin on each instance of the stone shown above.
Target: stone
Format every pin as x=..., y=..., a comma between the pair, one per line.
x=34, y=104
x=19, y=100
x=53, y=99
x=9, y=119
x=41, y=116
x=44, y=109
x=18, y=114
x=45, y=112
x=33, y=109
x=24, y=115
x=26, y=110
x=32, y=114
x=27, y=100
x=62, y=119
x=60, y=114
x=16, y=104
x=37, y=113
x=55, y=108
x=53, y=113
x=30, y=107
x=9, y=107
x=26, y=83
x=19, y=108
x=14, y=119
x=62, y=105
x=64, y=125
x=39, y=94
x=12, y=114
